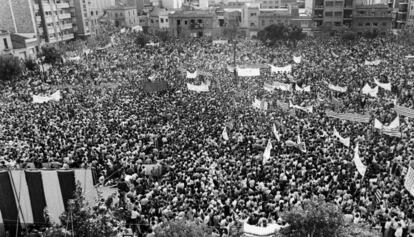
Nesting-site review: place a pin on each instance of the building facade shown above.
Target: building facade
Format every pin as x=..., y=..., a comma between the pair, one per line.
x=158, y=20
x=196, y=23
x=410, y=17
x=81, y=12
x=6, y=46
x=123, y=16
x=276, y=16
x=372, y=18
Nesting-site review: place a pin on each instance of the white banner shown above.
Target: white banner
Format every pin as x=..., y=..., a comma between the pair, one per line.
x=277, y=135
x=257, y=231
x=220, y=41
x=367, y=90
x=77, y=58
x=152, y=44
x=224, y=134
x=260, y=104
x=266, y=154
x=308, y=109
x=304, y=89
x=285, y=69
x=248, y=72
x=39, y=99
x=200, y=88
x=192, y=75
x=277, y=85
x=409, y=179
x=372, y=63
x=338, y=88
x=344, y=141
x=358, y=163
x=385, y=86
x=297, y=59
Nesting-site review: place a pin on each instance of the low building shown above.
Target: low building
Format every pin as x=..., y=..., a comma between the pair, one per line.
x=269, y=17
x=195, y=23
x=123, y=16
x=6, y=46
x=304, y=21
x=158, y=20
x=372, y=18
x=25, y=45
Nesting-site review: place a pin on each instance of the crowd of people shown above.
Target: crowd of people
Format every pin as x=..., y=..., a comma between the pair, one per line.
x=107, y=122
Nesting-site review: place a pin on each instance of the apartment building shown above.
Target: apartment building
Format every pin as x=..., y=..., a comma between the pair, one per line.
x=158, y=20
x=82, y=22
x=410, y=18
x=372, y=18
x=195, y=23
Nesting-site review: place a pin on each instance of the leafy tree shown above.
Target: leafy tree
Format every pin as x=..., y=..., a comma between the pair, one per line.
x=30, y=64
x=315, y=218
x=84, y=222
x=275, y=34
x=51, y=54
x=295, y=34
x=371, y=34
x=182, y=228
x=163, y=35
x=10, y=67
x=141, y=39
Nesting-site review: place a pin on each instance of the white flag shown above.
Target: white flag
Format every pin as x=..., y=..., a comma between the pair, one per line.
x=308, y=109
x=338, y=88
x=372, y=63
x=285, y=69
x=39, y=99
x=248, y=72
x=297, y=59
x=192, y=75
x=277, y=135
x=306, y=88
x=198, y=88
x=409, y=179
x=344, y=141
x=358, y=163
x=224, y=134
x=266, y=154
x=385, y=86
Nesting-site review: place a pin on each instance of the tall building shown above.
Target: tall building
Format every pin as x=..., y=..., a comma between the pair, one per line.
x=97, y=10
x=196, y=23
x=81, y=12
x=376, y=17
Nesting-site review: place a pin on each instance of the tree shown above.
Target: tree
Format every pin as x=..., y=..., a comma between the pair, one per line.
x=315, y=218
x=141, y=39
x=30, y=64
x=182, y=228
x=163, y=35
x=51, y=55
x=10, y=67
x=295, y=34
x=83, y=222
x=273, y=34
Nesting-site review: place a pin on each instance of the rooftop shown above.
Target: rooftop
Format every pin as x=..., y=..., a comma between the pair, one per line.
x=194, y=13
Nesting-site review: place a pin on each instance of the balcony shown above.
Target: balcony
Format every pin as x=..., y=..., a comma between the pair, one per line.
x=65, y=16
x=66, y=26
x=68, y=37
x=62, y=5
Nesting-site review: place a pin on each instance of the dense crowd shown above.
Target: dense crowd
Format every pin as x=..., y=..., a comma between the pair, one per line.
x=106, y=121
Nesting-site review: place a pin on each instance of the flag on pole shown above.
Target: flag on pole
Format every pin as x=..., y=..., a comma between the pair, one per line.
x=266, y=154
x=301, y=145
x=409, y=179
x=277, y=135
x=224, y=134
x=192, y=75
x=358, y=163
x=393, y=129
x=300, y=89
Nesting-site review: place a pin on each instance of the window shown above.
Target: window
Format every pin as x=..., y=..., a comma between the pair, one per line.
x=263, y=22
x=91, y=13
x=116, y=15
x=166, y=20
x=162, y=20
x=328, y=14
x=185, y=22
x=375, y=24
x=251, y=24
x=192, y=21
x=5, y=43
x=178, y=22
x=97, y=13
x=152, y=20
x=253, y=14
x=384, y=24
x=338, y=14
x=200, y=21
x=367, y=24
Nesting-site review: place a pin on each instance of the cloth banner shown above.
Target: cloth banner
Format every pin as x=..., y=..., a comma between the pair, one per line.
x=196, y=88
x=305, y=89
x=277, y=135
x=224, y=134
x=192, y=75
x=37, y=196
x=220, y=41
x=385, y=86
x=8, y=205
x=77, y=58
x=285, y=69
x=155, y=86
x=230, y=68
x=409, y=179
x=38, y=99
x=260, y=104
x=67, y=185
x=367, y=90
x=266, y=154
x=393, y=129
x=248, y=72
x=358, y=163
x=338, y=88
x=404, y=111
x=105, y=47
x=268, y=87
x=84, y=177
x=257, y=231
x=2, y=230
x=359, y=118
x=297, y=59
x=45, y=67
x=281, y=86
x=152, y=44
x=344, y=141
x=372, y=63
x=308, y=109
